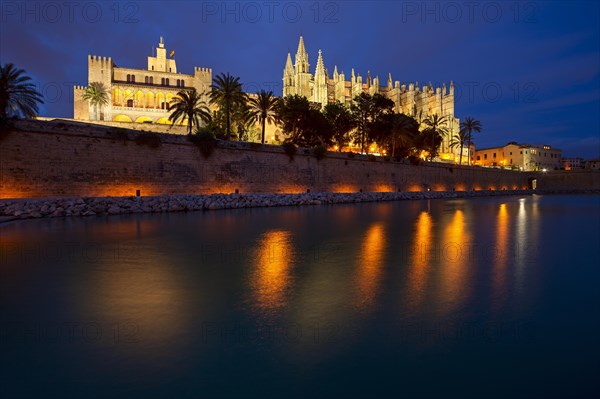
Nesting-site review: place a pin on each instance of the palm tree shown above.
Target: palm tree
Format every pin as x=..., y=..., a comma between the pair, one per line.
x=263, y=109
x=361, y=109
x=436, y=126
x=188, y=104
x=404, y=129
x=468, y=126
x=96, y=95
x=18, y=96
x=460, y=140
x=227, y=92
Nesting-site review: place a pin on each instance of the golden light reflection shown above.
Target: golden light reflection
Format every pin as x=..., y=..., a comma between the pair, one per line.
x=370, y=265
x=271, y=280
x=455, y=258
x=420, y=257
x=139, y=293
x=501, y=251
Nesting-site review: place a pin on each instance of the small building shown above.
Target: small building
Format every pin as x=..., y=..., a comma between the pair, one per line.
x=573, y=163
x=523, y=157
x=593, y=164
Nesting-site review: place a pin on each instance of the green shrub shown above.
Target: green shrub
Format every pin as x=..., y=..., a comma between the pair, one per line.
x=205, y=140
x=320, y=152
x=152, y=140
x=290, y=149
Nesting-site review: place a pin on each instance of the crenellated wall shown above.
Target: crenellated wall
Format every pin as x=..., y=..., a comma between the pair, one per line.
x=46, y=159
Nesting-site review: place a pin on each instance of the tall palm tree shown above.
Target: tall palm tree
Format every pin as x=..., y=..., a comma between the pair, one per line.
x=227, y=92
x=462, y=138
x=97, y=96
x=436, y=126
x=18, y=96
x=188, y=104
x=263, y=109
x=470, y=125
x=362, y=109
x=404, y=129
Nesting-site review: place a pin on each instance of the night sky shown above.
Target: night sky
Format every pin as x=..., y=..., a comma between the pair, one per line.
x=529, y=71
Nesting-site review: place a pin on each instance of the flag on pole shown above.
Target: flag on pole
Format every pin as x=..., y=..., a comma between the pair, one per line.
x=172, y=53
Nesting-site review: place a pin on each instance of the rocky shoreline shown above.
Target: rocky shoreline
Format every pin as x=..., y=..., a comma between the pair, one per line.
x=11, y=209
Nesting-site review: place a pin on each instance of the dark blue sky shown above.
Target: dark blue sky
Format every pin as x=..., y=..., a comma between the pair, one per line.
x=530, y=71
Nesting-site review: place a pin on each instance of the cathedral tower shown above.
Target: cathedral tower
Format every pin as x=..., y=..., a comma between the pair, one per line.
x=320, y=85
x=289, y=77
x=303, y=76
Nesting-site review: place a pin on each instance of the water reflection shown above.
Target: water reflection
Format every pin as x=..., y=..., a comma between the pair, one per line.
x=420, y=258
x=526, y=239
x=455, y=261
x=141, y=296
x=274, y=258
x=501, y=254
x=370, y=265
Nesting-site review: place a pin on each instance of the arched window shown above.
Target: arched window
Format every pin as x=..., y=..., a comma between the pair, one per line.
x=162, y=81
x=132, y=78
x=151, y=80
x=167, y=81
x=128, y=78
x=146, y=79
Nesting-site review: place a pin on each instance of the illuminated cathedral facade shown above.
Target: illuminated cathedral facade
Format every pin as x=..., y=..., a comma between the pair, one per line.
x=409, y=99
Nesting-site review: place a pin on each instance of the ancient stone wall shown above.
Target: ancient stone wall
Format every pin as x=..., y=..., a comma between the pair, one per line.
x=45, y=159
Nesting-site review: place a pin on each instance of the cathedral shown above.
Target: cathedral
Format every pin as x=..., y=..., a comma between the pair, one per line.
x=409, y=99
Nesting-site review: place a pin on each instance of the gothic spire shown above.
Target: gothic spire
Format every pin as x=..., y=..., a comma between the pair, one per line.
x=289, y=68
x=336, y=75
x=301, y=58
x=320, y=66
x=301, y=49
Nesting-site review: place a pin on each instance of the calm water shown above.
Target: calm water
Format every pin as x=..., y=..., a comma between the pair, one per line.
x=491, y=297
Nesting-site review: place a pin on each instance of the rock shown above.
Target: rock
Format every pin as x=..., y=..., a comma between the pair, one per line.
x=114, y=210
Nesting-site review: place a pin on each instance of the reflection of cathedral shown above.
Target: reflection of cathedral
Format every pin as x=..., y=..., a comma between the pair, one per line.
x=409, y=99
x=138, y=95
